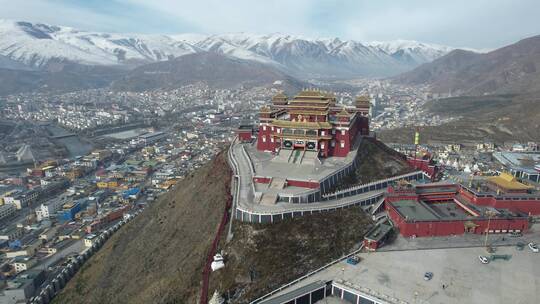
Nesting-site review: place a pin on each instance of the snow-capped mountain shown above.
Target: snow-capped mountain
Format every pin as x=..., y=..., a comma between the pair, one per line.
x=421, y=52
x=35, y=45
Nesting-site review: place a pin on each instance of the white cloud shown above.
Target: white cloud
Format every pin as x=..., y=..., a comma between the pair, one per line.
x=57, y=14
x=218, y=16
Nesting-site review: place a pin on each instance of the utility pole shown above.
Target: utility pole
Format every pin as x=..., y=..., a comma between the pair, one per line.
x=416, y=142
x=490, y=214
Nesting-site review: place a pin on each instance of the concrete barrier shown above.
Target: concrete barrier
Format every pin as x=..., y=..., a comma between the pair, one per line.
x=377, y=187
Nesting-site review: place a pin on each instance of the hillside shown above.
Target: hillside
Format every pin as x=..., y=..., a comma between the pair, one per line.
x=511, y=69
x=57, y=77
x=261, y=258
x=218, y=71
x=158, y=257
x=497, y=118
x=375, y=163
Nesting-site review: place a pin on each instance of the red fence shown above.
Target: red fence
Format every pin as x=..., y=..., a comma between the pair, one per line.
x=213, y=248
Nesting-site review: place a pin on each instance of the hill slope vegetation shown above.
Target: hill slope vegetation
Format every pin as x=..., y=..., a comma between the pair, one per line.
x=497, y=118
x=158, y=257
x=218, y=71
x=511, y=69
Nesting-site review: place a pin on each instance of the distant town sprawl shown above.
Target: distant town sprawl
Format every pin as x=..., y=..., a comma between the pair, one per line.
x=89, y=110
x=74, y=165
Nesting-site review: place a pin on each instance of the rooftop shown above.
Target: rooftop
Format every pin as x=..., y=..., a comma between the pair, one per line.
x=421, y=211
x=414, y=210
x=508, y=181
x=378, y=232
x=466, y=280
x=269, y=165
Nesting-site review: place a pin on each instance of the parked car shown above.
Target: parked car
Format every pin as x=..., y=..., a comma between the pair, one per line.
x=533, y=247
x=428, y=276
x=515, y=234
x=520, y=246
x=483, y=259
x=353, y=260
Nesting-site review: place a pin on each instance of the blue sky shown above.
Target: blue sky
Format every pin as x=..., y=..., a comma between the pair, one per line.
x=460, y=23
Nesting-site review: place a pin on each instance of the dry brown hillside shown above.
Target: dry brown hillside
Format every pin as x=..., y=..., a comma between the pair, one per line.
x=158, y=257
x=261, y=258
x=510, y=69
x=376, y=162
x=497, y=118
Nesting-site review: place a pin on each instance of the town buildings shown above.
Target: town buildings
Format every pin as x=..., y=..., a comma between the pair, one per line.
x=7, y=210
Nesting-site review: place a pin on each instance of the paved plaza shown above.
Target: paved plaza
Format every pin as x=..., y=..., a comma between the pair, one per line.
x=248, y=202
x=458, y=276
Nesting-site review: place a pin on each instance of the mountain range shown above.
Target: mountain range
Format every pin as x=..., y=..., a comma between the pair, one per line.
x=511, y=69
x=217, y=70
x=35, y=45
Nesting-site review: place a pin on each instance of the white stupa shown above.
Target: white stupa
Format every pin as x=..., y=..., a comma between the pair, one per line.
x=216, y=298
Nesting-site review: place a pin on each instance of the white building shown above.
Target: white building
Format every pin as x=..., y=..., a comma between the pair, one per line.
x=23, y=263
x=49, y=208
x=89, y=240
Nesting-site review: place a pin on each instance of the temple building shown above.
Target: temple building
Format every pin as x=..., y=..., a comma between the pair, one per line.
x=312, y=121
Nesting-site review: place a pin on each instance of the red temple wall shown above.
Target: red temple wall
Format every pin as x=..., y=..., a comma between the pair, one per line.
x=445, y=228
x=303, y=184
x=339, y=138
x=244, y=135
x=262, y=180
x=265, y=144
x=527, y=206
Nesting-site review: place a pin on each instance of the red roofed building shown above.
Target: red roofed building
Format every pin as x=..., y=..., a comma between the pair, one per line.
x=311, y=121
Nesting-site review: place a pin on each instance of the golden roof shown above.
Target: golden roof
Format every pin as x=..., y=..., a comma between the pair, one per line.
x=508, y=181
x=265, y=109
x=362, y=100
x=343, y=113
x=311, y=93
x=302, y=124
x=280, y=96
